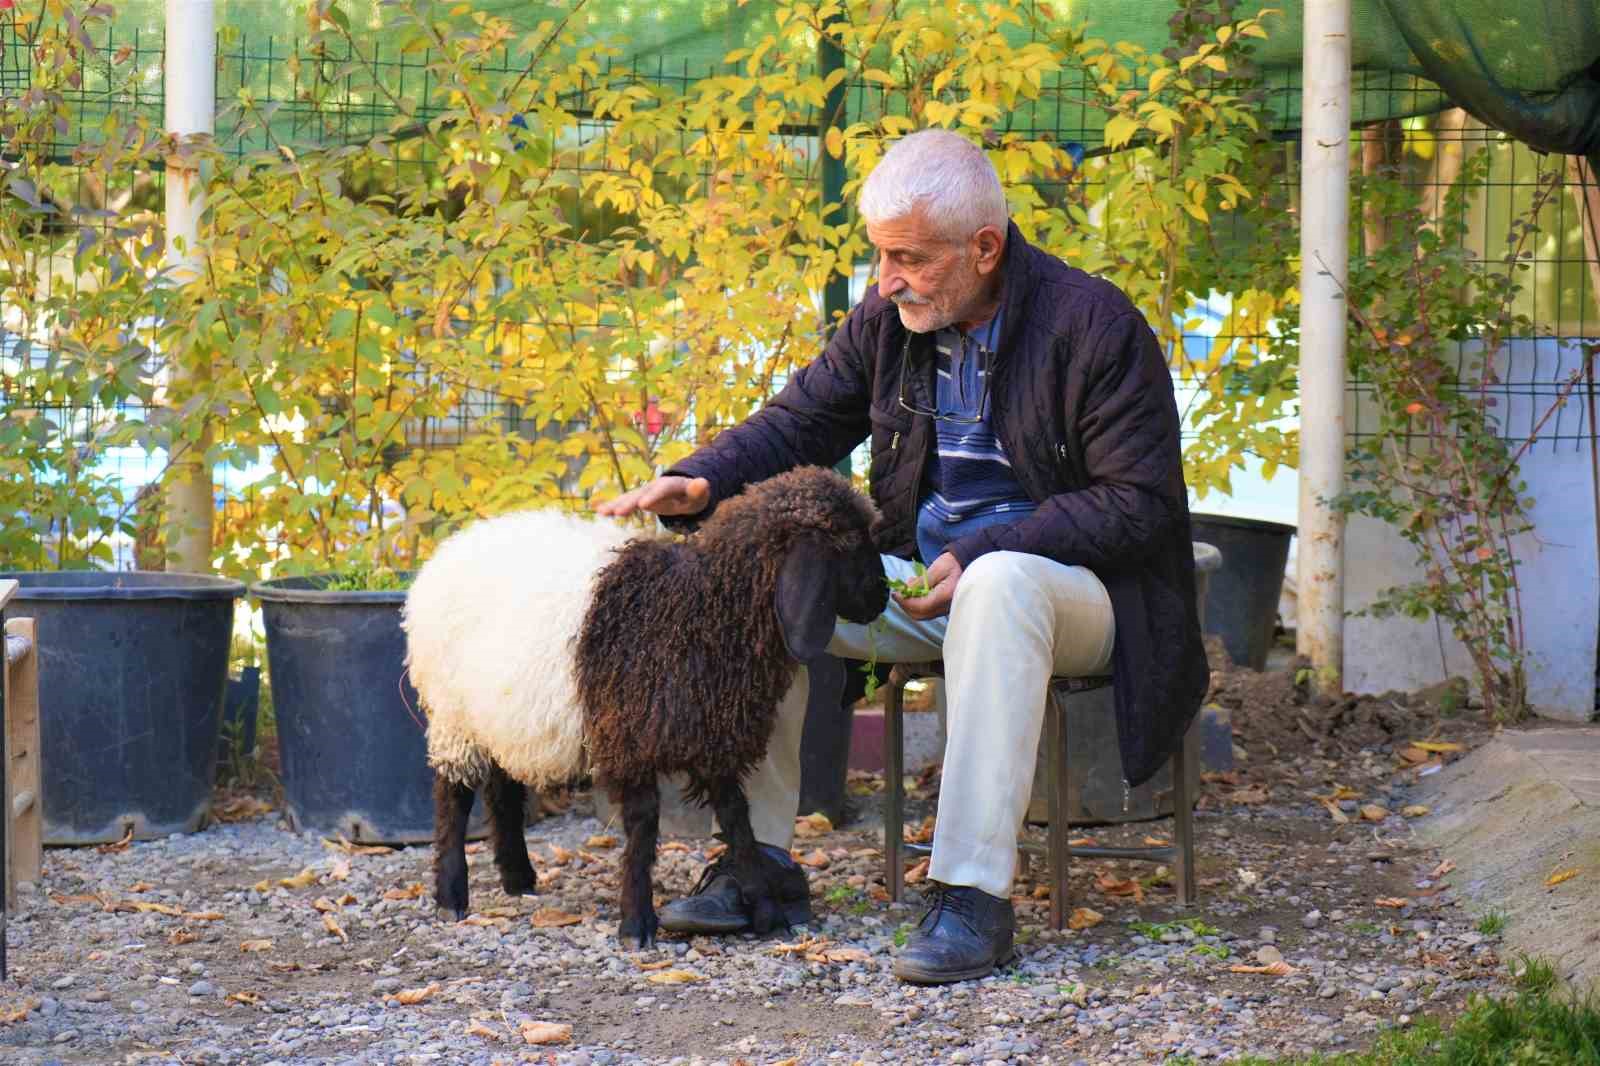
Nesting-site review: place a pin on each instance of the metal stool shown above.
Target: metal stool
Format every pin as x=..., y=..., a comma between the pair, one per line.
x=1179, y=855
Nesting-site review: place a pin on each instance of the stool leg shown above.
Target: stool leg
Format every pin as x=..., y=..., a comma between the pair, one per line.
x=894, y=815
x=1059, y=802
x=1183, y=763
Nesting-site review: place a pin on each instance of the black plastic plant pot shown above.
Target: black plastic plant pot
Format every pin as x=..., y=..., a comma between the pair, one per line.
x=352, y=738
x=132, y=668
x=1242, y=604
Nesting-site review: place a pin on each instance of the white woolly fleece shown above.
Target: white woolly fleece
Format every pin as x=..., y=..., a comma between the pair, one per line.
x=489, y=622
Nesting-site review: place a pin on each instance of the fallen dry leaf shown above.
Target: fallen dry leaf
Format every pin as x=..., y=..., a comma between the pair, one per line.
x=673, y=977
x=661, y=964
x=1041, y=891
x=1391, y=901
x=240, y=808
x=120, y=845
x=1343, y=792
x=674, y=845
x=919, y=834
x=62, y=900
x=1248, y=796
x=324, y=904
x=1113, y=885
x=1559, y=876
x=814, y=824
x=249, y=999
x=340, y=871
x=499, y=912
x=551, y=918
x=204, y=916
x=817, y=860
x=479, y=1029
x=1082, y=842
x=1157, y=842
x=1272, y=969
x=1374, y=812
x=408, y=997
x=1335, y=813
x=1437, y=745
x=283, y=967
x=333, y=927
x=304, y=879
x=262, y=886
x=1226, y=777
x=484, y=919
x=601, y=840
x=181, y=935
x=1439, y=871
x=878, y=893
x=715, y=852
x=560, y=854
x=1415, y=810
x=837, y=955
x=19, y=1013
x=799, y=947
x=917, y=873
x=1084, y=918
x=546, y=1032
x=1413, y=755
x=412, y=891
x=255, y=945
x=141, y=886
x=350, y=848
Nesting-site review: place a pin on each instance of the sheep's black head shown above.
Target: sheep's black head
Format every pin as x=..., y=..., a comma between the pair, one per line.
x=817, y=528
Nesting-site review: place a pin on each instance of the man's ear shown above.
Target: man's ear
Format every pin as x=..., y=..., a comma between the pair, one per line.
x=805, y=600
x=989, y=244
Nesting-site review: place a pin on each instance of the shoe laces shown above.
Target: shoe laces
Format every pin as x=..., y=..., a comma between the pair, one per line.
x=714, y=869
x=950, y=898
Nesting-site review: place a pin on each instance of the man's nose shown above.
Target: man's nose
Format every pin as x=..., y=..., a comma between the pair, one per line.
x=889, y=280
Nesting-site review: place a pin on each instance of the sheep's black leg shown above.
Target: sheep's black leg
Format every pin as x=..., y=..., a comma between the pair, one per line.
x=503, y=797
x=452, y=806
x=641, y=819
x=733, y=816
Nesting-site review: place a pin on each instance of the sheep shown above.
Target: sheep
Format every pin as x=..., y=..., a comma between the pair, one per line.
x=683, y=652
x=489, y=622
x=724, y=620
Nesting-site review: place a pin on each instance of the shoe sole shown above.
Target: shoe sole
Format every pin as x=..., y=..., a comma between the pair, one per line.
x=916, y=975
x=797, y=912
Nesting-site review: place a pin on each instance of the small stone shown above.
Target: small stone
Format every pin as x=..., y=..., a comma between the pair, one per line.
x=1268, y=935
x=1311, y=919
x=138, y=1006
x=202, y=988
x=67, y=1036
x=63, y=982
x=1327, y=991
x=1267, y=955
x=99, y=995
x=386, y=984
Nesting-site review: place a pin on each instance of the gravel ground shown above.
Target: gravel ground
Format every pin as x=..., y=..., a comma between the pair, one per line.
x=246, y=943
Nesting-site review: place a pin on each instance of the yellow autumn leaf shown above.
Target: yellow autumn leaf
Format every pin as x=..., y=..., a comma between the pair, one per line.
x=551, y=918
x=546, y=1032
x=1415, y=810
x=601, y=840
x=814, y=824
x=304, y=879
x=674, y=977
x=408, y=997
x=1084, y=918
x=1559, y=876
x=1437, y=745
x=412, y=891
x=834, y=142
x=204, y=916
x=334, y=928
x=1271, y=969
x=255, y=945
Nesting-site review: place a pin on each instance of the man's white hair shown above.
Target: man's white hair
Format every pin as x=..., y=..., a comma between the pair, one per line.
x=944, y=174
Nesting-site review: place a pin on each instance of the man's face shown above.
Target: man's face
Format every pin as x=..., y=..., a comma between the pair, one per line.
x=933, y=280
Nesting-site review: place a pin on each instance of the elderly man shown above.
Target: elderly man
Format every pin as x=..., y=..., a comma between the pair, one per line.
x=1025, y=447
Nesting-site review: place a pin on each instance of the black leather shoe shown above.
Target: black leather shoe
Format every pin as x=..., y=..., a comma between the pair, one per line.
x=716, y=903
x=964, y=935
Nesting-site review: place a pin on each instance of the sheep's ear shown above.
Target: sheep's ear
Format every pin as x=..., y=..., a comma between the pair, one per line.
x=805, y=600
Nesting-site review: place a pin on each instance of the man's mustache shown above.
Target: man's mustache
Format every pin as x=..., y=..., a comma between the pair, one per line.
x=906, y=296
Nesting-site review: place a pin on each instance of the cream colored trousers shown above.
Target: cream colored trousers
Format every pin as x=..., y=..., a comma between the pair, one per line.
x=1016, y=620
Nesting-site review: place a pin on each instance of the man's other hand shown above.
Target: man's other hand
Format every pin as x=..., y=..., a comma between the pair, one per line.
x=941, y=580
x=670, y=495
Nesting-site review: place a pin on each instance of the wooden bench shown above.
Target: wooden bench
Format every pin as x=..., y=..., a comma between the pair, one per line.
x=21, y=822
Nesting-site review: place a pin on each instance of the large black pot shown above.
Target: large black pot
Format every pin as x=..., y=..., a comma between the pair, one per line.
x=1242, y=603
x=132, y=666
x=351, y=733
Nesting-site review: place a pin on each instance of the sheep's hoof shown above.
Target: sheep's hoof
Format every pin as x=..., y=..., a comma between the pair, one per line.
x=520, y=882
x=450, y=913
x=640, y=928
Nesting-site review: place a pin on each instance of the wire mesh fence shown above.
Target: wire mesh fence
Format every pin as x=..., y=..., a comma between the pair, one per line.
x=276, y=93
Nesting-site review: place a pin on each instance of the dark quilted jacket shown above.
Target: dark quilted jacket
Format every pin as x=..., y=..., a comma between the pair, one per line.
x=1082, y=401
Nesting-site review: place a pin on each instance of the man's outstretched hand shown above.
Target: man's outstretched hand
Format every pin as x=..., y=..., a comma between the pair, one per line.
x=670, y=495
x=940, y=579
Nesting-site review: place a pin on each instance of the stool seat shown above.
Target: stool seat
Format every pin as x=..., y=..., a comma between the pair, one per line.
x=1179, y=855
